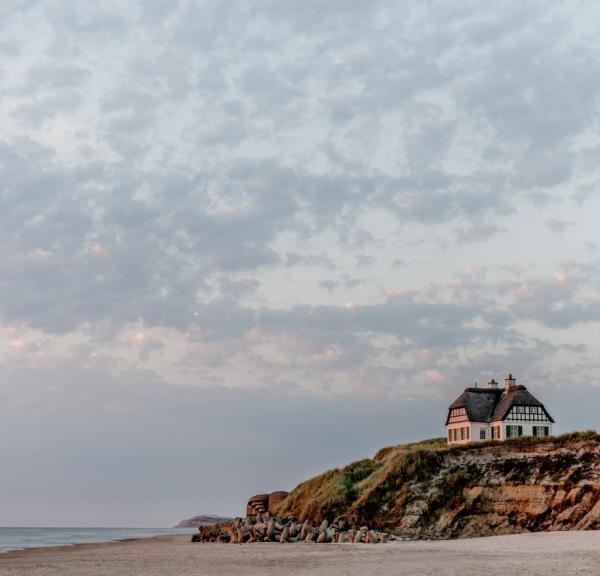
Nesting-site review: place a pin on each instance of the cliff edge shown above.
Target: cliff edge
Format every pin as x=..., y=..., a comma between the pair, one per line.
x=430, y=490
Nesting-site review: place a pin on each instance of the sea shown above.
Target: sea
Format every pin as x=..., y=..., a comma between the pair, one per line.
x=21, y=538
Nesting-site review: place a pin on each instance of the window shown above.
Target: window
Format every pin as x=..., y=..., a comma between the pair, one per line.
x=514, y=431
x=458, y=434
x=482, y=433
x=541, y=431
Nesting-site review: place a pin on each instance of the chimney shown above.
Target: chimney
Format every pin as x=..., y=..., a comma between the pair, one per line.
x=492, y=384
x=509, y=382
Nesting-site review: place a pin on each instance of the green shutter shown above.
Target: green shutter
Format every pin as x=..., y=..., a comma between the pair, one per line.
x=546, y=431
x=508, y=431
x=520, y=430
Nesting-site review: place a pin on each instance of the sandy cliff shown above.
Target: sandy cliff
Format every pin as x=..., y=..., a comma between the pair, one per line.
x=430, y=490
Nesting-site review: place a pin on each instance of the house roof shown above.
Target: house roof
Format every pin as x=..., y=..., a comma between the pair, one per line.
x=478, y=402
x=516, y=395
x=493, y=404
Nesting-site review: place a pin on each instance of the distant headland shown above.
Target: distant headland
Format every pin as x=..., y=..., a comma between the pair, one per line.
x=202, y=520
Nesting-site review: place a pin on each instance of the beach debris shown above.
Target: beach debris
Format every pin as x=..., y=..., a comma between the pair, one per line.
x=256, y=528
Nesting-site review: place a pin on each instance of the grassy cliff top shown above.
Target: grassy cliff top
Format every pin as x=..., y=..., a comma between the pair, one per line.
x=372, y=486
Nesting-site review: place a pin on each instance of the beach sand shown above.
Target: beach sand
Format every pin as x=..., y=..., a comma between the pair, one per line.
x=557, y=553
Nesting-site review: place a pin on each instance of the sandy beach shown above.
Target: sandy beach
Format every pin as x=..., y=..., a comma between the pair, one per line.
x=564, y=553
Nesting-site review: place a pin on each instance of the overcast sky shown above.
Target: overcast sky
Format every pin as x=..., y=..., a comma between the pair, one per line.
x=245, y=241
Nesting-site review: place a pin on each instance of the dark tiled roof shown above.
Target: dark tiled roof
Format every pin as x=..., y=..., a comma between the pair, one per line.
x=492, y=404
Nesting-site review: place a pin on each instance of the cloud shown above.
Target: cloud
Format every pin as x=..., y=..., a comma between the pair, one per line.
x=364, y=260
x=477, y=233
x=557, y=226
x=329, y=285
x=340, y=200
x=559, y=302
x=251, y=142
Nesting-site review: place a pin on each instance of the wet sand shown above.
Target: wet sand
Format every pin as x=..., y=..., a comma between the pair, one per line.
x=556, y=553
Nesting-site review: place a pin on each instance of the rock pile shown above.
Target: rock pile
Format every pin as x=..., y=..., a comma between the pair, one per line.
x=278, y=529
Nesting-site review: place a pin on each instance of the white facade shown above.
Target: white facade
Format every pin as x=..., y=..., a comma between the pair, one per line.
x=465, y=432
x=520, y=428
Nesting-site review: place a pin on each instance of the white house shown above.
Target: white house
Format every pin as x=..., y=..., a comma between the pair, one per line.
x=494, y=414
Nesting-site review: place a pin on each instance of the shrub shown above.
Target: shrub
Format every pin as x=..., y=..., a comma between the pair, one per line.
x=355, y=473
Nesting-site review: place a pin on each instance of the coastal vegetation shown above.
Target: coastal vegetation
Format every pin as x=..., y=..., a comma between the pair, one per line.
x=430, y=489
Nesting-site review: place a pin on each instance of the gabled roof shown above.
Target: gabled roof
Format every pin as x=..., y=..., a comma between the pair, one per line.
x=493, y=404
x=478, y=402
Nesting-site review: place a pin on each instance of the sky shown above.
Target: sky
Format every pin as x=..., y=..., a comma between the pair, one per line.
x=242, y=242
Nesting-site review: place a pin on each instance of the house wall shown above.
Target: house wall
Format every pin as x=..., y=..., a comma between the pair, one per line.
x=474, y=431
x=476, y=427
x=527, y=426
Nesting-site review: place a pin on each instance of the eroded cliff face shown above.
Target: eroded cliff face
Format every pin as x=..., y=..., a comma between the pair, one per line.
x=507, y=489
x=430, y=490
